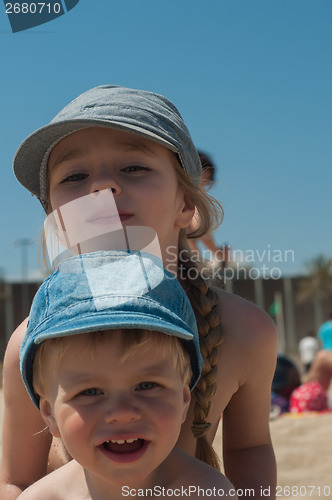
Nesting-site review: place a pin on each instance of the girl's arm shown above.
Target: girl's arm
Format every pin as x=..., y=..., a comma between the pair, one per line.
x=24, y=447
x=247, y=450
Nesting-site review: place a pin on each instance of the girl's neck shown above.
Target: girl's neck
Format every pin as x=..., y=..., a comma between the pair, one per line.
x=170, y=257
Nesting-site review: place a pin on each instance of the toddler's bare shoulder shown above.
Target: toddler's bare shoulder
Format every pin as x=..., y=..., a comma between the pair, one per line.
x=44, y=489
x=61, y=484
x=196, y=475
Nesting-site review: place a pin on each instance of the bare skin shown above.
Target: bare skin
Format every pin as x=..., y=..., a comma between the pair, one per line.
x=179, y=466
x=243, y=397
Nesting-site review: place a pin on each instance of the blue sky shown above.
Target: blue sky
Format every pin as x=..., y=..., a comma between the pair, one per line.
x=252, y=79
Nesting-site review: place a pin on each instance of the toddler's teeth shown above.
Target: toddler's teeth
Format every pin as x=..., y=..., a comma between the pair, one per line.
x=122, y=441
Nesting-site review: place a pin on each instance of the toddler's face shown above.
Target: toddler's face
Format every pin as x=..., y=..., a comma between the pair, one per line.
x=118, y=419
x=138, y=172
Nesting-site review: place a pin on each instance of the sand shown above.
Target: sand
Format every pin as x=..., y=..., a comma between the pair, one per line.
x=303, y=449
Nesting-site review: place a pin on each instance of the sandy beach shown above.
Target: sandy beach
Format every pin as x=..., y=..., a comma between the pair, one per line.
x=302, y=445
x=303, y=448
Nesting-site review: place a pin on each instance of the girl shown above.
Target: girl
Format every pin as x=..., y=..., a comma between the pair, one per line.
x=136, y=144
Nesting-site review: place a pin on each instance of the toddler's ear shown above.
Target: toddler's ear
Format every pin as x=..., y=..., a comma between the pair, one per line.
x=47, y=414
x=186, y=402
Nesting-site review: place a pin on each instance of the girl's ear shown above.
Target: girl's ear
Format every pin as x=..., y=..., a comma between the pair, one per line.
x=47, y=414
x=186, y=212
x=186, y=402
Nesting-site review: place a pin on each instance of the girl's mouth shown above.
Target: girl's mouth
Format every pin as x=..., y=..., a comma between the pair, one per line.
x=104, y=218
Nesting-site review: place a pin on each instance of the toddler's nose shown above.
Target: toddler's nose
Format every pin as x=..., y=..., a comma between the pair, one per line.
x=122, y=410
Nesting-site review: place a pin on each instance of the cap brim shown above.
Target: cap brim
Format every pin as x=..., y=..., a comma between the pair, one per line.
x=34, y=147
x=103, y=321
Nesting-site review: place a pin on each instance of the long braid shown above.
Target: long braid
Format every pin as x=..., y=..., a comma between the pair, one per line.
x=205, y=304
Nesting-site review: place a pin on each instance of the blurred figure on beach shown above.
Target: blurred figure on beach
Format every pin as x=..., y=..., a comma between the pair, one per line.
x=321, y=369
x=313, y=394
x=325, y=333
x=219, y=256
x=207, y=181
x=286, y=379
x=288, y=394
x=308, y=348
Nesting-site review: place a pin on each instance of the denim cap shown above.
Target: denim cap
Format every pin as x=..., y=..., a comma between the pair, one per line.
x=141, y=112
x=109, y=290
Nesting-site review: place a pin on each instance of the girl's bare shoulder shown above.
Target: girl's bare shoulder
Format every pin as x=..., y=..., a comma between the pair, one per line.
x=244, y=320
x=11, y=362
x=14, y=343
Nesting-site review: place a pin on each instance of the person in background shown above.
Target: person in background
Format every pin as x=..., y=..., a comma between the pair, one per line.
x=207, y=181
x=286, y=379
x=308, y=348
x=219, y=256
x=321, y=369
x=325, y=333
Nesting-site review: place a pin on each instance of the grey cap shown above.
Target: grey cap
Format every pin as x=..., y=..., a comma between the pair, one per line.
x=141, y=112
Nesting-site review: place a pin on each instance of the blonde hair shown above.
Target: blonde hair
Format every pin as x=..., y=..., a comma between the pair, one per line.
x=52, y=351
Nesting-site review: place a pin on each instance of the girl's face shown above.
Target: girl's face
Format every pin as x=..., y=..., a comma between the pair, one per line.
x=140, y=174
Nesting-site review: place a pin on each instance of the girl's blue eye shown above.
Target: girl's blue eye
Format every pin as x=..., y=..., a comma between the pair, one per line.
x=74, y=178
x=144, y=386
x=134, y=168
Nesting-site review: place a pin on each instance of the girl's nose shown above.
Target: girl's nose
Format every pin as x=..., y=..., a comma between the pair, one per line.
x=105, y=180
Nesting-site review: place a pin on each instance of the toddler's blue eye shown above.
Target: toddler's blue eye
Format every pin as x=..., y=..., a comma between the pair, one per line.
x=145, y=386
x=90, y=392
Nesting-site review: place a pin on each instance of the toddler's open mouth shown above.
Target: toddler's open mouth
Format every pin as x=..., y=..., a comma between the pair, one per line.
x=124, y=445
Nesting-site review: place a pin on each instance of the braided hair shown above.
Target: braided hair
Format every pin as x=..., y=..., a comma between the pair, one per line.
x=204, y=301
